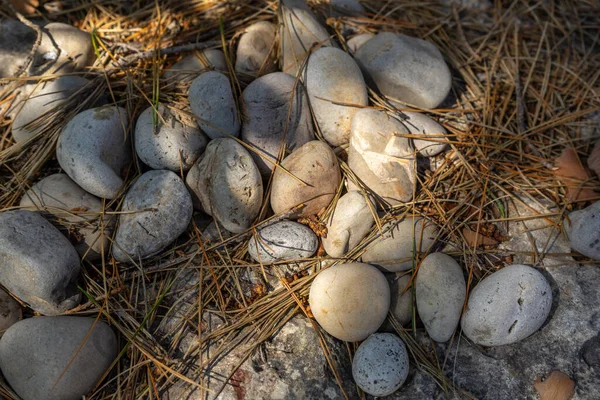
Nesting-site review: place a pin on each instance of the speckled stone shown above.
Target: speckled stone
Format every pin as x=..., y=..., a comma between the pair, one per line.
x=507, y=306
x=407, y=69
x=352, y=220
x=284, y=240
x=93, y=149
x=10, y=311
x=583, y=230
x=440, y=295
x=316, y=165
x=189, y=67
x=170, y=144
x=423, y=125
x=380, y=365
x=143, y=234
x=255, y=54
x=79, y=211
x=393, y=251
x=276, y=110
x=333, y=81
x=227, y=185
x=299, y=30
x=212, y=101
x=350, y=301
x=39, y=265
x=56, y=358
x=45, y=98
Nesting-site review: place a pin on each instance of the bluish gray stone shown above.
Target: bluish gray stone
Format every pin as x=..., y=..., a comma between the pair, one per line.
x=284, y=240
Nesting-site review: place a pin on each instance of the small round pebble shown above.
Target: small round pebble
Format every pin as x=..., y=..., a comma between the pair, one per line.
x=352, y=220
x=170, y=144
x=393, y=251
x=212, y=101
x=255, y=54
x=93, y=149
x=56, y=358
x=227, y=185
x=43, y=100
x=168, y=205
x=285, y=240
x=335, y=87
x=380, y=365
x=316, y=165
x=440, y=295
x=10, y=311
x=422, y=125
x=350, y=301
x=406, y=68
x=191, y=66
x=507, y=306
x=583, y=230
x=276, y=113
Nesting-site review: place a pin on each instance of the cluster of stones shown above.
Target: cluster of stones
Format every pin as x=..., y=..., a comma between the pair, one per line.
x=226, y=157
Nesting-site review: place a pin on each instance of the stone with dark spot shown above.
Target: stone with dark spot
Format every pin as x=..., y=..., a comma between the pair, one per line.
x=156, y=210
x=284, y=240
x=93, y=149
x=591, y=352
x=39, y=265
x=583, y=230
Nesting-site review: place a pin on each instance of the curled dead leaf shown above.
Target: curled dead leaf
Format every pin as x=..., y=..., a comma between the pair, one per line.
x=574, y=176
x=557, y=386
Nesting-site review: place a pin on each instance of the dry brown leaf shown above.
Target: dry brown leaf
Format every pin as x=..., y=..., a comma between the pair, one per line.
x=594, y=159
x=474, y=239
x=573, y=175
x=557, y=386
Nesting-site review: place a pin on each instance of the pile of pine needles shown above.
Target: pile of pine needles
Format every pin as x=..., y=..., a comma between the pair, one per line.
x=525, y=86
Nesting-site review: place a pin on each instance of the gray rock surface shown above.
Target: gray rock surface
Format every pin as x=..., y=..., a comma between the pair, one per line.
x=351, y=221
x=43, y=357
x=10, y=311
x=212, y=101
x=189, y=67
x=355, y=42
x=277, y=112
x=167, y=206
x=93, y=149
x=299, y=30
x=16, y=42
x=39, y=265
x=78, y=211
x=507, y=306
x=170, y=144
x=347, y=5
x=393, y=251
x=380, y=157
x=284, y=240
x=316, y=165
x=335, y=87
x=45, y=98
x=380, y=365
x=256, y=50
x=440, y=295
x=583, y=230
x=227, y=185
x=401, y=302
x=422, y=125
x=350, y=301
x=406, y=68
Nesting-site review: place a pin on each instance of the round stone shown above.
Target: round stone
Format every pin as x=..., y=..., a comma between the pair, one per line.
x=65, y=356
x=393, y=251
x=316, y=165
x=382, y=159
x=583, y=230
x=191, y=66
x=422, y=125
x=405, y=68
x=335, y=87
x=227, y=184
x=350, y=301
x=46, y=98
x=440, y=295
x=212, y=101
x=156, y=210
x=276, y=113
x=81, y=213
x=255, y=54
x=507, y=306
x=380, y=365
x=10, y=311
x=168, y=144
x=351, y=221
x=16, y=41
x=93, y=148
x=285, y=240
x=39, y=265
